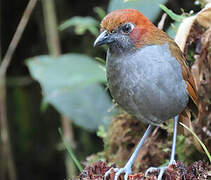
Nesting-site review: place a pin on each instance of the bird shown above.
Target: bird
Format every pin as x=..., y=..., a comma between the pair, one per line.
x=147, y=75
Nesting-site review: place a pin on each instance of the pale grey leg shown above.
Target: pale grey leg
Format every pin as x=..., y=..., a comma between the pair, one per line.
x=174, y=140
x=172, y=160
x=127, y=168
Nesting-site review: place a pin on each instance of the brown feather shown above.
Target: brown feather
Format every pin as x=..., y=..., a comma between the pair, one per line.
x=191, y=88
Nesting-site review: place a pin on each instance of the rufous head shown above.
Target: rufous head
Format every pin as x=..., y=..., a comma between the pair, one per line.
x=125, y=28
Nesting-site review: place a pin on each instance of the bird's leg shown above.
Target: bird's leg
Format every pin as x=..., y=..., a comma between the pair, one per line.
x=127, y=168
x=172, y=161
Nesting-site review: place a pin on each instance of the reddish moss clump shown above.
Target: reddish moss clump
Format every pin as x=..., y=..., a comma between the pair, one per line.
x=198, y=170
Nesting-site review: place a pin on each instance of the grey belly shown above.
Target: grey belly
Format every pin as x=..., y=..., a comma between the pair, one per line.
x=148, y=85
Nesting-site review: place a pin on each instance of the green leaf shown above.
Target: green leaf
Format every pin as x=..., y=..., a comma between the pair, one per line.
x=101, y=132
x=202, y=144
x=70, y=151
x=172, y=30
x=81, y=24
x=100, y=12
x=150, y=9
x=172, y=15
x=44, y=106
x=72, y=84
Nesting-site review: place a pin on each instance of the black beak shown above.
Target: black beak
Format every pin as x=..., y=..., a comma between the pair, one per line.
x=103, y=38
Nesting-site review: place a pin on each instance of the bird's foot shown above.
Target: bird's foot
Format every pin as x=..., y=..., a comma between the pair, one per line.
x=161, y=169
x=118, y=171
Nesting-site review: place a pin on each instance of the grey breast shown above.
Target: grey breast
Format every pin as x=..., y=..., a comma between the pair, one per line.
x=148, y=83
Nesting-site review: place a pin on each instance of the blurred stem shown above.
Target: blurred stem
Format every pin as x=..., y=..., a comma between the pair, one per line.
x=7, y=165
x=204, y=2
x=69, y=138
x=17, y=36
x=51, y=27
x=162, y=21
x=55, y=50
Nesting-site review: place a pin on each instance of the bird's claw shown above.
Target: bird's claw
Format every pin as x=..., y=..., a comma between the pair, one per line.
x=118, y=172
x=154, y=169
x=161, y=169
x=109, y=172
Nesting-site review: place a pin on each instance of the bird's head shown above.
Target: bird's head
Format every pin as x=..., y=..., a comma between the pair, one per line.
x=126, y=29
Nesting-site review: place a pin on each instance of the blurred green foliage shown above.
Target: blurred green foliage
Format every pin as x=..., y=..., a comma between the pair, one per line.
x=173, y=16
x=71, y=83
x=70, y=151
x=81, y=24
x=150, y=9
x=101, y=132
x=100, y=12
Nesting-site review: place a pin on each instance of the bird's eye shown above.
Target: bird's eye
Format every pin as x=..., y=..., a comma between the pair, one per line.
x=127, y=28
